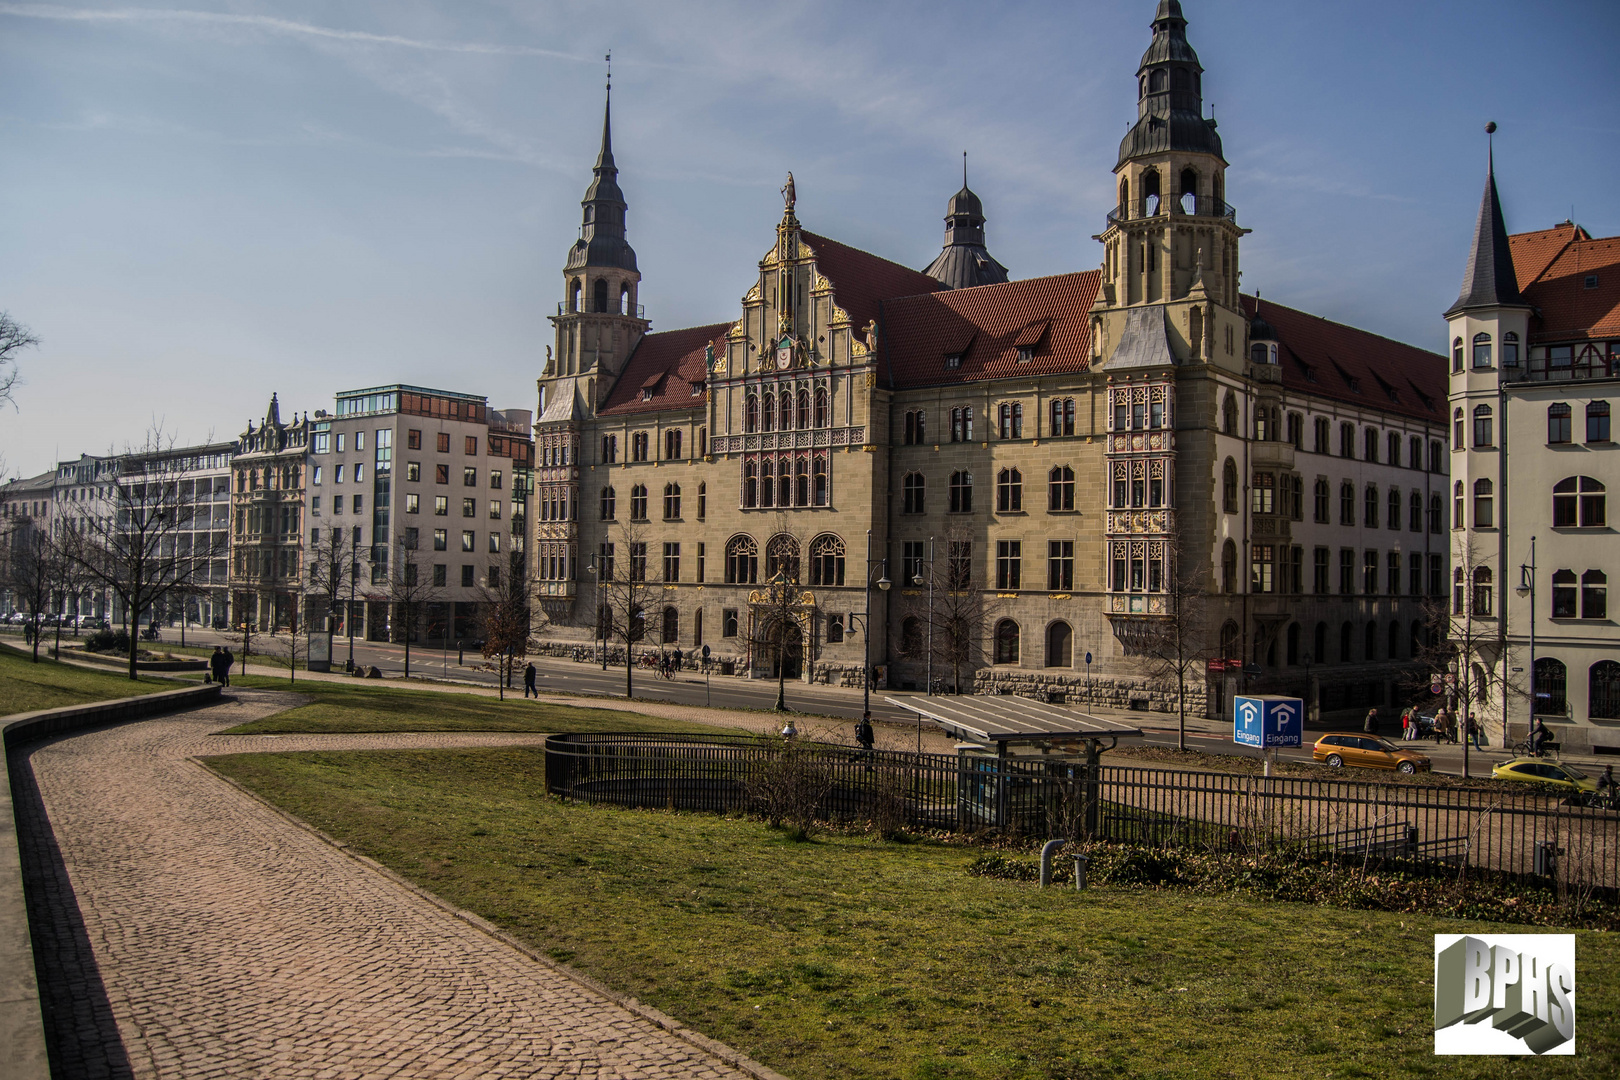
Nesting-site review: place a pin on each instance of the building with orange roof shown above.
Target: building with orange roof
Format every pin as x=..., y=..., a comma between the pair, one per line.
x=1535, y=359
x=1054, y=474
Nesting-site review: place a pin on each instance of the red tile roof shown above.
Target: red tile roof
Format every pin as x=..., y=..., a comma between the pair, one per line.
x=861, y=280
x=985, y=324
x=1553, y=266
x=668, y=363
x=1345, y=364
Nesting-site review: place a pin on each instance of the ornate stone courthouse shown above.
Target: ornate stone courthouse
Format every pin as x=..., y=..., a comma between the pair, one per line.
x=1048, y=470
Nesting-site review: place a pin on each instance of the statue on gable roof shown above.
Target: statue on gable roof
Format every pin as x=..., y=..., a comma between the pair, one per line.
x=872, y=335
x=789, y=194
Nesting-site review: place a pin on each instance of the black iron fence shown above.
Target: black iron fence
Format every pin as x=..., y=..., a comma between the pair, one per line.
x=1513, y=832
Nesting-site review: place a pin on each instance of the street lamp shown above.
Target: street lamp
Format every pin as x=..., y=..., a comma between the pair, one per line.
x=1527, y=587
x=601, y=634
x=1307, y=659
x=883, y=583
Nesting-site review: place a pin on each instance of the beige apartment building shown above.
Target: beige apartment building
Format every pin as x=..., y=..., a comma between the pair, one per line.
x=1535, y=371
x=430, y=478
x=1054, y=454
x=267, y=507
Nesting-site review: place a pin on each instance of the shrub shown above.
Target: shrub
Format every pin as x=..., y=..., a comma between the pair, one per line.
x=108, y=641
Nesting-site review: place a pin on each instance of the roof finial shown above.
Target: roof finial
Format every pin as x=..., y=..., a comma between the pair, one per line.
x=964, y=168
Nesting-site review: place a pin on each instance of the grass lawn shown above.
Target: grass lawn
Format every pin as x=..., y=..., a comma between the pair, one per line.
x=366, y=706
x=26, y=686
x=853, y=957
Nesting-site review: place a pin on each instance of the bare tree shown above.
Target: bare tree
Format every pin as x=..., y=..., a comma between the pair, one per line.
x=14, y=338
x=504, y=603
x=129, y=543
x=289, y=647
x=1175, y=644
x=333, y=571
x=960, y=614
x=32, y=573
x=409, y=591
x=621, y=573
x=781, y=610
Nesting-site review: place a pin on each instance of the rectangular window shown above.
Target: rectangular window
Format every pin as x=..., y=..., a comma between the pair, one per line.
x=1260, y=569
x=494, y=543
x=413, y=503
x=1319, y=571
x=700, y=563
x=359, y=474
x=1296, y=576
x=315, y=504
x=495, y=479
x=441, y=474
x=315, y=475
x=469, y=476
x=1369, y=573
x=323, y=442
x=338, y=475
x=439, y=572
x=337, y=504
x=441, y=506
x=1263, y=493
x=467, y=578
x=638, y=562
x=1347, y=571
x=728, y=622
x=469, y=508
x=472, y=446
x=413, y=439
x=441, y=540
x=444, y=442
x=1394, y=573
x=495, y=509
x=359, y=440
x=469, y=540
x=338, y=436
x=1060, y=565
x=410, y=539
x=1009, y=563
x=413, y=470
x=672, y=562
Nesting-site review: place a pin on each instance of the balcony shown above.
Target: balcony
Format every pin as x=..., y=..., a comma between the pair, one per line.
x=1272, y=454
x=1186, y=206
x=1563, y=369
x=587, y=306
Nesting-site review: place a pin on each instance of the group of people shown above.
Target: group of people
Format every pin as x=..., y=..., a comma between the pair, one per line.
x=1443, y=729
x=219, y=665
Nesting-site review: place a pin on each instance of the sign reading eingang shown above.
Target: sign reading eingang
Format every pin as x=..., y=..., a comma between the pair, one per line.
x=1504, y=994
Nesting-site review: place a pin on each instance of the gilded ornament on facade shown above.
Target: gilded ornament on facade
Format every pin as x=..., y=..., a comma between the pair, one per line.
x=753, y=295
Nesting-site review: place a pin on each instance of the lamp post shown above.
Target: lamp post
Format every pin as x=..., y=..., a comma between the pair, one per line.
x=883, y=584
x=1307, y=687
x=1527, y=587
x=601, y=634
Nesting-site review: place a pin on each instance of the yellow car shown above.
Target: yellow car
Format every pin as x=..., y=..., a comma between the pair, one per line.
x=1368, y=752
x=1551, y=773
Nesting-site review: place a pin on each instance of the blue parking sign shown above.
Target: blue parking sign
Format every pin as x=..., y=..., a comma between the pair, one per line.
x=1267, y=720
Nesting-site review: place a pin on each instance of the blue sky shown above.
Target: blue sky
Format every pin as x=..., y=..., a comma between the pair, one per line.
x=202, y=203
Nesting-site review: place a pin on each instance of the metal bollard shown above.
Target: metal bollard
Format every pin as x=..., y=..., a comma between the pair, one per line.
x=1080, y=864
x=1048, y=849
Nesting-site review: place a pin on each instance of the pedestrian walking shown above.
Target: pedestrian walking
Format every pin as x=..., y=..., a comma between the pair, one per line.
x=225, y=667
x=1471, y=729
x=1370, y=725
x=1406, y=725
x=529, y=675
x=215, y=665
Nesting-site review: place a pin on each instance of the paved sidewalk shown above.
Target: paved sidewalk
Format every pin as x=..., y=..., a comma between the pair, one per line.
x=186, y=930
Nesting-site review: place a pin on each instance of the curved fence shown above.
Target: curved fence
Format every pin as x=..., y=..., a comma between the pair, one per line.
x=1514, y=832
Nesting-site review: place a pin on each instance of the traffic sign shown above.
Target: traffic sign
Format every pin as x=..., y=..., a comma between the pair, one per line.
x=1435, y=687
x=1268, y=720
x=1088, y=658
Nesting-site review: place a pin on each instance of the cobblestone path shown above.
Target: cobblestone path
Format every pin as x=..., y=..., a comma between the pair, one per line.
x=188, y=931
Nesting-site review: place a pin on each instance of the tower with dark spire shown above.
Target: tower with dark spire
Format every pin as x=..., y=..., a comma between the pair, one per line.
x=600, y=319
x=965, y=261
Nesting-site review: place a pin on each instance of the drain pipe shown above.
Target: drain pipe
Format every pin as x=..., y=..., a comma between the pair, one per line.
x=1048, y=849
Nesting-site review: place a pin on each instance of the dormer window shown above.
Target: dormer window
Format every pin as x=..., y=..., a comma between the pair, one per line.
x=646, y=394
x=1026, y=353
x=953, y=360
x=697, y=389
x=1591, y=281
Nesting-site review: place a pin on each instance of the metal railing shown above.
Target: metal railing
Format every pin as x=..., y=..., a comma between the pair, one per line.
x=1478, y=827
x=1562, y=369
x=588, y=306
x=1186, y=205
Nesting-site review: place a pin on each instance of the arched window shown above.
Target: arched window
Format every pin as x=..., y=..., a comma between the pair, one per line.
x=1483, y=435
x=751, y=413
x=1369, y=444
x=1414, y=452
x=1579, y=502
x=672, y=444
x=1320, y=641
x=1230, y=635
x=1458, y=518
x=824, y=415
x=1558, y=422
x=624, y=300
x=1456, y=354
x=1394, y=508
x=672, y=501
x=1549, y=694
x=961, y=492
x=1510, y=350
x=767, y=412
x=818, y=481
x=782, y=557
x=742, y=561
x=1484, y=594
x=1594, y=595
x=1457, y=440
x=1563, y=594
x=1009, y=491
x=1292, y=655
x=767, y=482
x=1059, y=645
x=803, y=409
x=1484, y=504
x=1414, y=521
x=1322, y=498
x=600, y=291
x=1006, y=642
x=1603, y=691
x=1436, y=514
x=1345, y=630
x=573, y=295
x=784, y=482
x=1394, y=447
x=1229, y=487
x=703, y=501
x=1156, y=81
x=1370, y=507
x=1370, y=642
x=638, y=503
x=1459, y=588
x=1482, y=350
x=1597, y=422
x=1229, y=415
x=1189, y=179
x=911, y=636
x=672, y=626
x=787, y=410
x=609, y=499
x=826, y=560
x=1060, y=489
x=914, y=487
x=801, y=481
x=1347, y=503
x=1228, y=567
x=750, y=485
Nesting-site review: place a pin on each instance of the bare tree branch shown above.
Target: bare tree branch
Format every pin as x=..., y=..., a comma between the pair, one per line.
x=14, y=338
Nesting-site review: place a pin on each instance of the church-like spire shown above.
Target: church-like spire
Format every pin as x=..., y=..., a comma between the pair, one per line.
x=1169, y=94
x=965, y=261
x=1489, y=280
x=601, y=234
